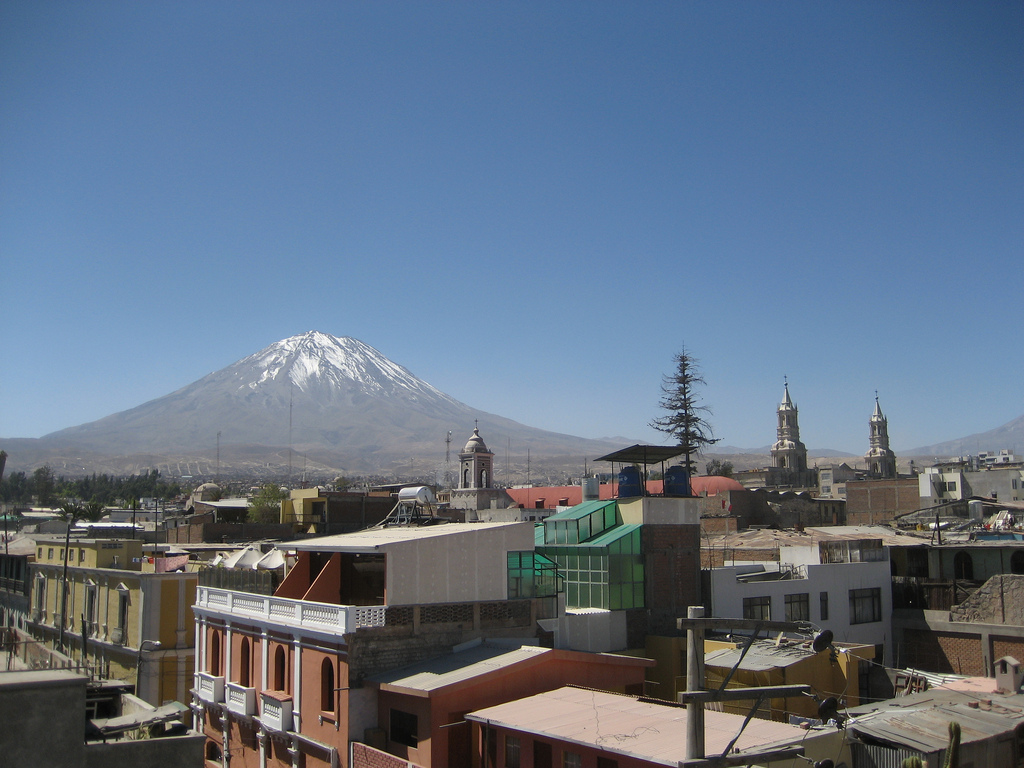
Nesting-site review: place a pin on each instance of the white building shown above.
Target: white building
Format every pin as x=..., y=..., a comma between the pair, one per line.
x=842, y=585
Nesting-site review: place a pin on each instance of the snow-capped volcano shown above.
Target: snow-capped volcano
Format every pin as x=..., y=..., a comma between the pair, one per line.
x=314, y=393
x=330, y=366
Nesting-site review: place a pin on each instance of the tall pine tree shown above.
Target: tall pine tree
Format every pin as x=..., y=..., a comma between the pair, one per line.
x=684, y=417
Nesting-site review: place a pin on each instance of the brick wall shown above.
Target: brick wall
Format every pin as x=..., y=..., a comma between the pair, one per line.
x=944, y=652
x=879, y=501
x=365, y=756
x=672, y=572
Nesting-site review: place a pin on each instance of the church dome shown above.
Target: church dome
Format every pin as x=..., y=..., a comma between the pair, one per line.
x=206, y=491
x=475, y=444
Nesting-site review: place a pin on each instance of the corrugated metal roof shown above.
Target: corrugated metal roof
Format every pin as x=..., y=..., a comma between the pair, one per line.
x=629, y=726
x=762, y=656
x=456, y=667
x=923, y=722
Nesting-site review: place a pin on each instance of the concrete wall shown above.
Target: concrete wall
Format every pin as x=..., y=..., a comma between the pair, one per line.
x=465, y=566
x=43, y=716
x=727, y=594
x=169, y=751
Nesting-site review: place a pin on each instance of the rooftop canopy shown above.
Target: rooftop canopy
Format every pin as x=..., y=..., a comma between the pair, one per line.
x=644, y=454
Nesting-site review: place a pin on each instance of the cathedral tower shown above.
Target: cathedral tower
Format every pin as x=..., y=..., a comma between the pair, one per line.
x=881, y=460
x=788, y=453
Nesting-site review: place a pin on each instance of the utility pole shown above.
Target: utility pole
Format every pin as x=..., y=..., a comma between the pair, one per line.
x=695, y=695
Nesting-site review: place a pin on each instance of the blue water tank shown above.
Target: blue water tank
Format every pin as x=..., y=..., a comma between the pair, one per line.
x=629, y=482
x=677, y=481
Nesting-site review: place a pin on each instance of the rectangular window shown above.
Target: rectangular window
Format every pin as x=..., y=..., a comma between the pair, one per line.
x=571, y=760
x=757, y=608
x=607, y=762
x=90, y=608
x=511, y=752
x=798, y=607
x=865, y=605
x=823, y=605
x=81, y=555
x=404, y=728
x=49, y=553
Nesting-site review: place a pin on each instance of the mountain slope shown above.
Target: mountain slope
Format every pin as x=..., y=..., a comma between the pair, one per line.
x=317, y=393
x=1009, y=435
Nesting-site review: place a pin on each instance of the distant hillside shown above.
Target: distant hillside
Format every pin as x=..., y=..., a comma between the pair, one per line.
x=1010, y=435
x=331, y=401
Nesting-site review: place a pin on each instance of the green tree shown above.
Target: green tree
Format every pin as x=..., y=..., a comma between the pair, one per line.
x=44, y=486
x=265, y=504
x=685, y=418
x=718, y=467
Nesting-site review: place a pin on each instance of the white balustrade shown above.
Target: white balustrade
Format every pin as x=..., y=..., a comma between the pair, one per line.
x=210, y=688
x=338, y=619
x=240, y=699
x=276, y=713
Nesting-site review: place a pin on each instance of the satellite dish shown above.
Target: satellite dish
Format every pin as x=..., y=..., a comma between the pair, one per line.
x=822, y=640
x=828, y=709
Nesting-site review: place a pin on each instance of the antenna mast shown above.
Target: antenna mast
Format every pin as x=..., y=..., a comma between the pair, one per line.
x=291, y=396
x=448, y=460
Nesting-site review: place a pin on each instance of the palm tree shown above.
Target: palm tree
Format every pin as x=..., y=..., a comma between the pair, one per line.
x=71, y=511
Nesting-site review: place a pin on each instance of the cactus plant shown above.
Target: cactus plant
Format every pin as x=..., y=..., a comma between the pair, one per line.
x=953, y=750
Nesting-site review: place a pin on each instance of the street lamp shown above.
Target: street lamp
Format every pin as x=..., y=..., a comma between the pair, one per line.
x=153, y=645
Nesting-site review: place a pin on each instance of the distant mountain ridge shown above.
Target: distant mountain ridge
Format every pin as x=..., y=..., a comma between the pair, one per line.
x=322, y=395
x=1009, y=435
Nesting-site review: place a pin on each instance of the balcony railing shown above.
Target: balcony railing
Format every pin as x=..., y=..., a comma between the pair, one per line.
x=337, y=619
x=276, y=711
x=210, y=688
x=240, y=699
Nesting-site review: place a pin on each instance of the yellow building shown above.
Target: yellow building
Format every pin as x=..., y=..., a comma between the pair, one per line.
x=123, y=607
x=839, y=671
x=836, y=672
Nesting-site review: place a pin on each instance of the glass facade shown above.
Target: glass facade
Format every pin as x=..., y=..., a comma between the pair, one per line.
x=599, y=557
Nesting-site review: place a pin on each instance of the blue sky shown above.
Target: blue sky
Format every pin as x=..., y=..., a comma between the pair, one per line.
x=532, y=206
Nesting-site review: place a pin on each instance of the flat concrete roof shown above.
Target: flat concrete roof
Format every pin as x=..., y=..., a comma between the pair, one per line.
x=629, y=726
x=37, y=678
x=373, y=539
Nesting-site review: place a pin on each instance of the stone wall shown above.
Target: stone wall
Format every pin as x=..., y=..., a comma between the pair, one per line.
x=1000, y=600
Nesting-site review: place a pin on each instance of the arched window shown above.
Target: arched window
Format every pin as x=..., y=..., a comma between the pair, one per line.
x=963, y=567
x=1017, y=562
x=327, y=685
x=213, y=753
x=280, y=669
x=213, y=662
x=244, y=663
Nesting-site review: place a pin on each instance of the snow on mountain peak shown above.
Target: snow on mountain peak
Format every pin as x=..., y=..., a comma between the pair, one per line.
x=318, y=361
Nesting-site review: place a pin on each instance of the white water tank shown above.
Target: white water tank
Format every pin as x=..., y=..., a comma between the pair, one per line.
x=591, y=488
x=418, y=494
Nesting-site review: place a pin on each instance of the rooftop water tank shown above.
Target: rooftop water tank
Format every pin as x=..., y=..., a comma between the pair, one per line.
x=629, y=482
x=677, y=481
x=419, y=494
